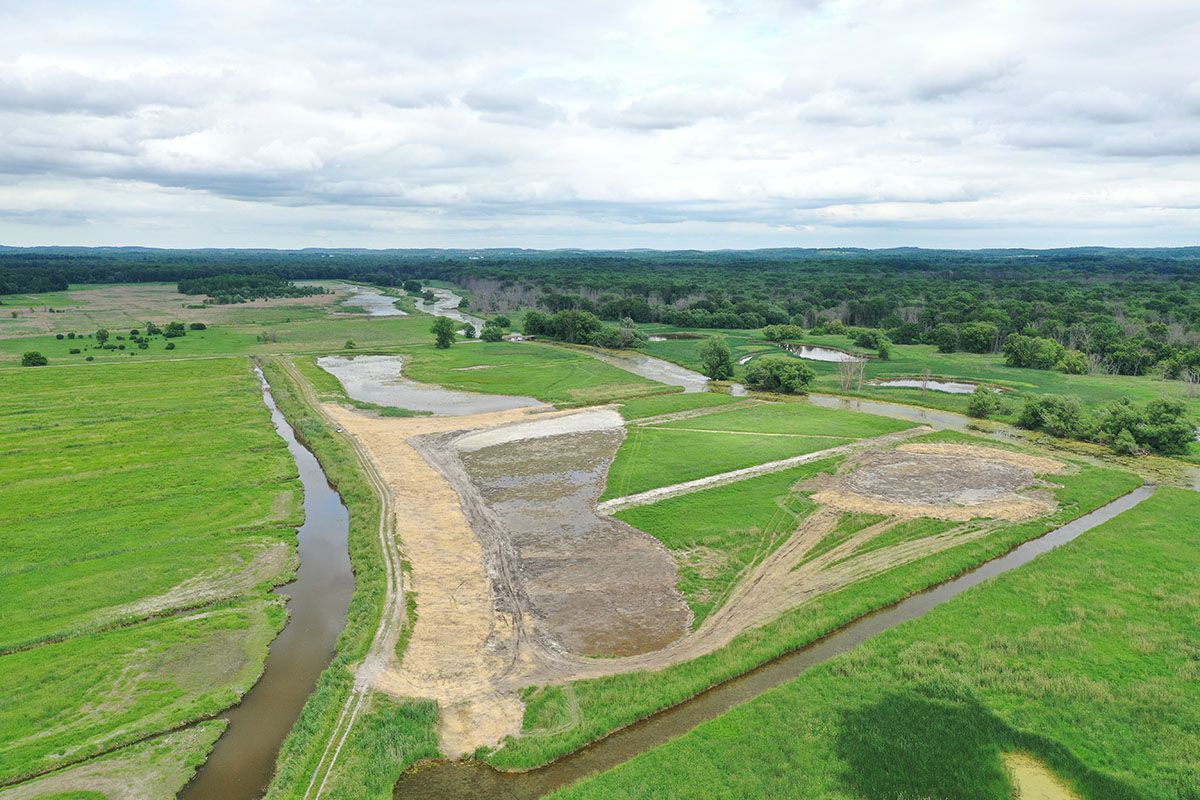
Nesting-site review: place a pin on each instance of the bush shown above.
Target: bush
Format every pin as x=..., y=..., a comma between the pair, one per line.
x=775, y=373
x=983, y=403
x=58, y=336
x=197, y=326
x=70, y=336
x=780, y=333
x=90, y=358
x=945, y=337
x=33, y=359
x=74, y=351
x=492, y=333
x=173, y=330
x=170, y=346
x=502, y=321
x=1056, y=415
x=349, y=344
x=1125, y=444
x=978, y=337
x=1073, y=362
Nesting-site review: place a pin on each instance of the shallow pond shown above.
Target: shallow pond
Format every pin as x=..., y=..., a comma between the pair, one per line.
x=243, y=760
x=378, y=380
x=477, y=780
x=445, y=304
x=374, y=301
x=656, y=369
x=816, y=353
x=950, y=387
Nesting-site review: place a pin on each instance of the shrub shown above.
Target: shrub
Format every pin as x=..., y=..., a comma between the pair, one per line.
x=983, y=402
x=74, y=351
x=978, y=337
x=197, y=326
x=170, y=346
x=945, y=337
x=1125, y=444
x=90, y=358
x=33, y=359
x=349, y=344
x=780, y=333
x=775, y=373
x=492, y=333
x=173, y=330
x=58, y=336
x=1073, y=362
x=502, y=321
x=70, y=335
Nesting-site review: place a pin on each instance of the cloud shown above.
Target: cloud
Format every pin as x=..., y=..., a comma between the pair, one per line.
x=669, y=123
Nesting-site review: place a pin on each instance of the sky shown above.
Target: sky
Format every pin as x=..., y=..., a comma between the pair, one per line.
x=600, y=123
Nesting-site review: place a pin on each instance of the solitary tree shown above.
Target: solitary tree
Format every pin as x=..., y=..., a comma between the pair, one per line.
x=443, y=332
x=33, y=359
x=101, y=337
x=716, y=359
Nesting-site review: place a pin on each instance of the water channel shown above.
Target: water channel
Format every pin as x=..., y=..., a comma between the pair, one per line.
x=243, y=760
x=474, y=779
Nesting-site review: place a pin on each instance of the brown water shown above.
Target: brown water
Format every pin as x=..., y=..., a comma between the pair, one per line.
x=243, y=761
x=464, y=779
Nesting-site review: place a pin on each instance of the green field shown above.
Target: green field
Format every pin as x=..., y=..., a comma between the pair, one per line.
x=120, y=487
x=672, y=403
x=1086, y=660
x=715, y=534
x=604, y=704
x=674, y=452
x=550, y=374
x=653, y=457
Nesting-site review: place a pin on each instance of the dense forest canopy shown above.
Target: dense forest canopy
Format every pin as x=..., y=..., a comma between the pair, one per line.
x=1131, y=308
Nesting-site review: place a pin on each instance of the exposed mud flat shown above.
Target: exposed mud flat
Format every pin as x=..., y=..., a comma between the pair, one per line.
x=374, y=302
x=945, y=481
x=378, y=379
x=600, y=586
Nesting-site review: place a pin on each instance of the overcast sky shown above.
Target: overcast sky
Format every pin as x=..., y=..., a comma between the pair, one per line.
x=600, y=123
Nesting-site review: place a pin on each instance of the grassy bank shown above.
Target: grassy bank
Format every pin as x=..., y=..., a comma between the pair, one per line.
x=1087, y=662
x=608, y=703
x=550, y=374
x=672, y=403
x=410, y=727
x=716, y=534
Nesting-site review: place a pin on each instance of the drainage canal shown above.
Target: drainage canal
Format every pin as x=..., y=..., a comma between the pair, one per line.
x=243, y=761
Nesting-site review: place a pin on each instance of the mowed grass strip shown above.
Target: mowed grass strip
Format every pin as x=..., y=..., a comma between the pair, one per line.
x=673, y=403
x=795, y=418
x=1085, y=659
x=715, y=534
x=652, y=457
x=605, y=704
x=550, y=374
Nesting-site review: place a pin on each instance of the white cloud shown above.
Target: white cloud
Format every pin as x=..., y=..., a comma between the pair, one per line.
x=708, y=123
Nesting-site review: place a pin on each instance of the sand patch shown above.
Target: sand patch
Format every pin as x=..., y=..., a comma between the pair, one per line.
x=1033, y=780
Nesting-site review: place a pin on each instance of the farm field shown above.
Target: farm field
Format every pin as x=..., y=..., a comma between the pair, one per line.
x=1086, y=666
x=128, y=492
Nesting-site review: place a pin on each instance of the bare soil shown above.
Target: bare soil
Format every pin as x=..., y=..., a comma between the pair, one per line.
x=944, y=481
x=1033, y=780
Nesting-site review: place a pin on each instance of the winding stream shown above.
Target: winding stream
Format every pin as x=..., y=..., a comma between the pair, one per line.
x=243, y=760
x=477, y=780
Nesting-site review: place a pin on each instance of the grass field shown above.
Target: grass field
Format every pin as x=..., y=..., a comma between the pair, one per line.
x=673, y=452
x=654, y=457
x=672, y=403
x=551, y=374
x=1087, y=661
x=126, y=492
x=608, y=703
x=715, y=534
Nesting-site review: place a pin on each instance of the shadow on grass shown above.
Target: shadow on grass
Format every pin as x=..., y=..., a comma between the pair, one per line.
x=945, y=745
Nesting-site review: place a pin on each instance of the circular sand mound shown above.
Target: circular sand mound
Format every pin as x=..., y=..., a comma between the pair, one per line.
x=955, y=482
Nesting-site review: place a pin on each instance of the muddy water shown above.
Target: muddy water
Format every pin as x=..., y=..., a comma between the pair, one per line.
x=375, y=302
x=243, y=761
x=445, y=304
x=656, y=369
x=949, y=387
x=600, y=586
x=475, y=780
x=377, y=379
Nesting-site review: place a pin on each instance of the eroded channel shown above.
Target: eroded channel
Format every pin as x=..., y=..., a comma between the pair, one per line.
x=474, y=779
x=243, y=760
